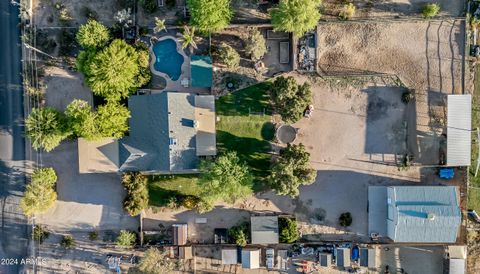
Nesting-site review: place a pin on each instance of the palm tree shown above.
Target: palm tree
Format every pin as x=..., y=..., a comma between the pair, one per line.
x=159, y=25
x=187, y=38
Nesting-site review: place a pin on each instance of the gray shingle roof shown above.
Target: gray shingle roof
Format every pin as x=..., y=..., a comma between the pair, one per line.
x=428, y=214
x=157, y=121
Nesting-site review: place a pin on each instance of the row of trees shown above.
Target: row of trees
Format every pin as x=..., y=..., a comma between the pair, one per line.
x=295, y=16
x=229, y=179
x=47, y=127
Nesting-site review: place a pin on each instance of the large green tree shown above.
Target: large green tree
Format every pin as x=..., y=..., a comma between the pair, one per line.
x=40, y=193
x=93, y=35
x=114, y=71
x=292, y=170
x=137, y=193
x=296, y=16
x=112, y=120
x=289, y=98
x=156, y=262
x=210, y=15
x=288, y=230
x=225, y=179
x=255, y=45
x=45, y=127
x=81, y=120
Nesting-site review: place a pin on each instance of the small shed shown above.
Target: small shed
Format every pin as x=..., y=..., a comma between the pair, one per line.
x=264, y=229
x=185, y=252
x=282, y=259
x=180, y=234
x=343, y=257
x=368, y=257
x=251, y=258
x=325, y=259
x=229, y=256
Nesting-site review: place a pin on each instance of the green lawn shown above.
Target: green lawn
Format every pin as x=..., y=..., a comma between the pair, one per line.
x=474, y=193
x=246, y=133
x=162, y=187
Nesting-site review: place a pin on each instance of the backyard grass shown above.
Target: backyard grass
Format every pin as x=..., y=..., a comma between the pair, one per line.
x=245, y=127
x=474, y=191
x=162, y=187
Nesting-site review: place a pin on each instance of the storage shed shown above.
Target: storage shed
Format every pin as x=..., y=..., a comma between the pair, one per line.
x=325, y=259
x=229, y=256
x=264, y=229
x=343, y=257
x=251, y=258
x=180, y=234
x=459, y=130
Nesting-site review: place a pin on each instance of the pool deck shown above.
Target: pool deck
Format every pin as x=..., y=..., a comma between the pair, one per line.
x=186, y=70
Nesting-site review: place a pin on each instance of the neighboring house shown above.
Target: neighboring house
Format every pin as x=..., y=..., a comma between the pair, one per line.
x=414, y=214
x=459, y=130
x=264, y=229
x=169, y=133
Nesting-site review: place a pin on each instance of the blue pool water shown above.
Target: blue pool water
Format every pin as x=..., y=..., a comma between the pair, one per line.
x=168, y=60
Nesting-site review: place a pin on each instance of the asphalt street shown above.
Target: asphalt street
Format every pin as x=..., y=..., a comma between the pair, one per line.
x=13, y=224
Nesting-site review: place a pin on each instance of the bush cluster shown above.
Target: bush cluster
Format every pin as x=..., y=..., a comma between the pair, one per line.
x=137, y=192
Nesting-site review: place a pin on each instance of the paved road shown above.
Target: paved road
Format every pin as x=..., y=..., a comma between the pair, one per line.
x=13, y=225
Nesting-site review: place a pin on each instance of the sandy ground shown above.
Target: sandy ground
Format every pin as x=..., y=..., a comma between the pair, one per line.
x=64, y=86
x=85, y=201
x=47, y=16
x=87, y=257
x=391, y=8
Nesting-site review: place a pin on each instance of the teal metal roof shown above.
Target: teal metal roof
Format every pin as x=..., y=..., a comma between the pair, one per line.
x=423, y=214
x=201, y=71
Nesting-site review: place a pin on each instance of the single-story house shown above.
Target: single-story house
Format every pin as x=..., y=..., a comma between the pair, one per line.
x=169, y=133
x=414, y=214
x=264, y=229
x=251, y=258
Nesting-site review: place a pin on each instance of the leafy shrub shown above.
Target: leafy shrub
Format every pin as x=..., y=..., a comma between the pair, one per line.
x=126, y=239
x=204, y=206
x=228, y=56
x=88, y=13
x=347, y=12
x=93, y=35
x=190, y=202
x=93, y=235
x=149, y=6
x=289, y=98
x=40, y=233
x=209, y=15
x=137, y=192
x=430, y=10
x=255, y=45
x=288, y=230
x=67, y=242
x=345, y=219
x=239, y=234
x=408, y=96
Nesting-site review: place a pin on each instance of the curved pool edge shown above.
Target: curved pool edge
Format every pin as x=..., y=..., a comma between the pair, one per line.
x=154, y=58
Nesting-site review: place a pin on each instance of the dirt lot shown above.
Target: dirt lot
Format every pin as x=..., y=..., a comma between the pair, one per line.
x=47, y=15
x=391, y=8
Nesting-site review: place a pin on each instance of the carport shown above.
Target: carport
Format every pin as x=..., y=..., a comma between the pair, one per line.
x=459, y=130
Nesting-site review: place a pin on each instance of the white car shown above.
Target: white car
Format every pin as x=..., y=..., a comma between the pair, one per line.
x=269, y=258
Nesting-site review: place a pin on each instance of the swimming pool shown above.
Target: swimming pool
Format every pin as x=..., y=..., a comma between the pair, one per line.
x=167, y=59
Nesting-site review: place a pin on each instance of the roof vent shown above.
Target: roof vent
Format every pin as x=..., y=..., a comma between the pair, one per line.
x=431, y=216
